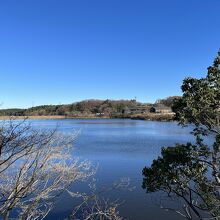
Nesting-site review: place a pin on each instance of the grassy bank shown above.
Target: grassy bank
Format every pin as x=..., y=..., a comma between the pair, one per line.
x=155, y=117
x=33, y=117
x=150, y=117
x=146, y=116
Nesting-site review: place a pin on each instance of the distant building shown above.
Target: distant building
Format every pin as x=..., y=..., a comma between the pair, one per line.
x=161, y=109
x=100, y=113
x=136, y=110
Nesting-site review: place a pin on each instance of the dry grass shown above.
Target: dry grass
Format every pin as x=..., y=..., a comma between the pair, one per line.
x=33, y=117
x=145, y=116
x=155, y=116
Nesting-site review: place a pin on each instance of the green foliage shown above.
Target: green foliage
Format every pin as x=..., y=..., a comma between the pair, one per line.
x=200, y=103
x=12, y=112
x=192, y=171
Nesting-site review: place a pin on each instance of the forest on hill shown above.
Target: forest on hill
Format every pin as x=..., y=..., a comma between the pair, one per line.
x=90, y=108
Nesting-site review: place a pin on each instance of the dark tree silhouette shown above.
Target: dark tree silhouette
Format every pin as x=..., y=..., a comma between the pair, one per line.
x=189, y=171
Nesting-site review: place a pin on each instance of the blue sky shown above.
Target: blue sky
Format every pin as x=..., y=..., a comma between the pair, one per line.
x=62, y=51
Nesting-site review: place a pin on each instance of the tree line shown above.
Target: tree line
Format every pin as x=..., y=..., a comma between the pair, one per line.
x=107, y=108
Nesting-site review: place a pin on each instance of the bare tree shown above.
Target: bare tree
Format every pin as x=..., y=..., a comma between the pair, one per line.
x=35, y=168
x=95, y=206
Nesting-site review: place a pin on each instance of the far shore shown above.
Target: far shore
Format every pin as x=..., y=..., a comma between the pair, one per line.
x=44, y=117
x=148, y=116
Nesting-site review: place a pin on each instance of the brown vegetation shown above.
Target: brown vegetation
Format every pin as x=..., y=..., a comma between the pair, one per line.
x=97, y=109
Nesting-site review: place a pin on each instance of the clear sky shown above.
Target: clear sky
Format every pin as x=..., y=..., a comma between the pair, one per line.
x=62, y=51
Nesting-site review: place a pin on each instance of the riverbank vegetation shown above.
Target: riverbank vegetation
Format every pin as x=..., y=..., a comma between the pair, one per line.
x=191, y=172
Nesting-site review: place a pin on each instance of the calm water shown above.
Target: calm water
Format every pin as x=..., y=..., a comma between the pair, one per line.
x=121, y=148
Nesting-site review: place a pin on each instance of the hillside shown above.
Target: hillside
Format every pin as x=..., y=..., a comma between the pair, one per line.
x=96, y=108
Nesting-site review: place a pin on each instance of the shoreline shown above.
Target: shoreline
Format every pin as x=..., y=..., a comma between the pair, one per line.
x=145, y=117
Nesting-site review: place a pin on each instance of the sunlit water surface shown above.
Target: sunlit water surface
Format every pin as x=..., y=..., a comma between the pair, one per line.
x=121, y=148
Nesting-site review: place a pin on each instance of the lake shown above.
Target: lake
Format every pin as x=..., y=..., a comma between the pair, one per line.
x=121, y=148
